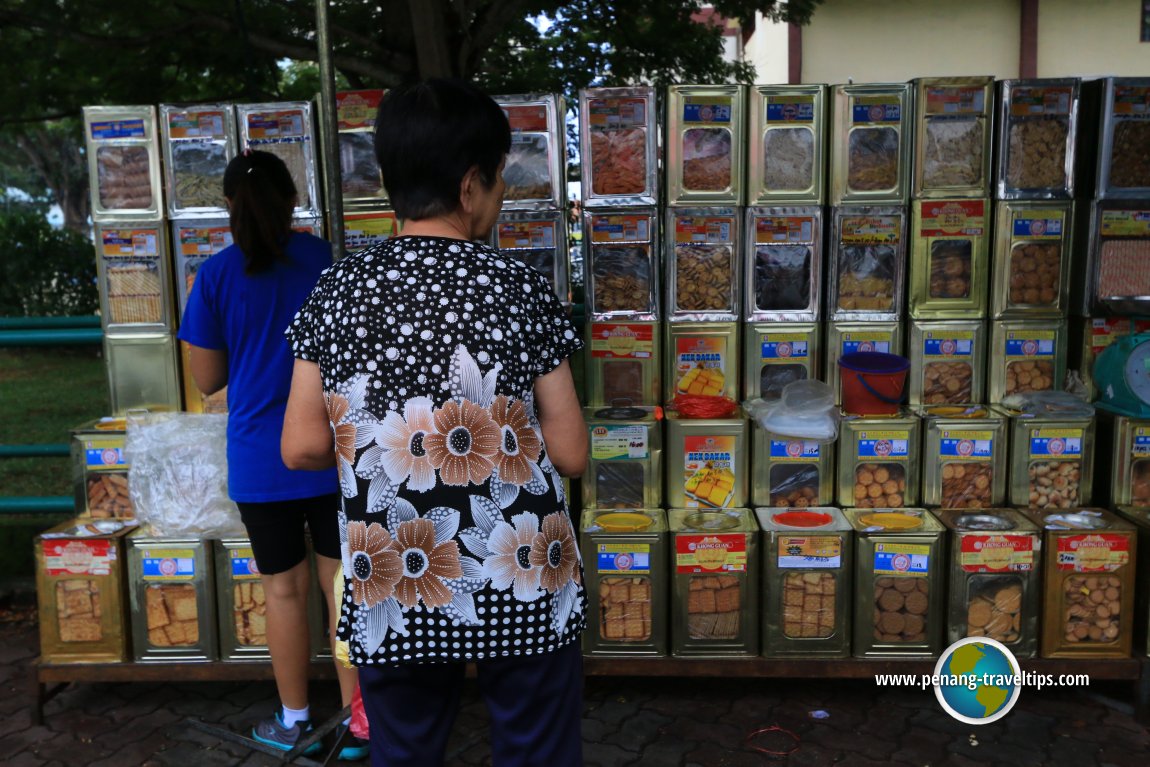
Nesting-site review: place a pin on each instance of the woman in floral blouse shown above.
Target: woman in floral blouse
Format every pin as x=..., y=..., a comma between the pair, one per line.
x=432, y=372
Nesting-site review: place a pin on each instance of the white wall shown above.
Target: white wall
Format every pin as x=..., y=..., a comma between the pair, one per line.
x=767, y=50
x=1098, y=37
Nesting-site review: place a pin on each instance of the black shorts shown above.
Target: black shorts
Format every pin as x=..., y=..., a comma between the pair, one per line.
x=276, y=530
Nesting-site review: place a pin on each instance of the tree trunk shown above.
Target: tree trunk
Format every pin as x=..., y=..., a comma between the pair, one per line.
x=430, y=34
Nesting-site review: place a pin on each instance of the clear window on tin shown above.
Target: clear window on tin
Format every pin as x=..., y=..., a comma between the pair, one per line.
x=1036, y=152
x=622, y=278
x=1092, y=609
x=703, y=278
x=123, y=175
x=541, y=260
x=809, y=605
x=1029, y=375
x=108, y=496
x=134, y=291
x=900, y=608
x=880, y=485
x=794, y=485
x=950, y=275
x=249, y=613
x=78, y=610
x=1123, y=268
x=994, y=607
x=772, y=379
x=788, y=159
x=172, y=615
x=966, y=484
x=622, y=381
x=872, y=159
x=198, y=170
x=1140, y=483
x=1054, y=484
x=782, y=277
x=1035, y=273
x=953, y=152
x=358, y=168
x=707, y=159
x=619, y=484
x=625, y=609
x=947, y=383
x=866, y=279
x=713, y=607
x=618, y=160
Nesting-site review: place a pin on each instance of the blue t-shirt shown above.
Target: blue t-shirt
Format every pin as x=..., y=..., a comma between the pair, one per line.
x=246, y=315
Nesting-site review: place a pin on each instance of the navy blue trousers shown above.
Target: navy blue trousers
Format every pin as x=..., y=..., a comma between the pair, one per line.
x=535, y=702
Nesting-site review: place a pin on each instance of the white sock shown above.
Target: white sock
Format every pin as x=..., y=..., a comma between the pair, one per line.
x=293, y=715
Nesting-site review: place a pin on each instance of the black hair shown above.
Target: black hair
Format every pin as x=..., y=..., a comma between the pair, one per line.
x=261, y=196
x=427, y=136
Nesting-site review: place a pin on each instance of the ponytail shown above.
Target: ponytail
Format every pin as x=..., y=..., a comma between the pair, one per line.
x=261, y=196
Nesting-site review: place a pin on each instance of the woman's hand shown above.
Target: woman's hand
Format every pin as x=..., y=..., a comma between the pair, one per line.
x=306, y=442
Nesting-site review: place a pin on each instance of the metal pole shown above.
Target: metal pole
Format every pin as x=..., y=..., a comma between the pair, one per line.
x=329, y=147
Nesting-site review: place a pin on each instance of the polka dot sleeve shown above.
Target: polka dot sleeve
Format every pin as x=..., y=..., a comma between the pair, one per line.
x=302, y=333
x=555, y=338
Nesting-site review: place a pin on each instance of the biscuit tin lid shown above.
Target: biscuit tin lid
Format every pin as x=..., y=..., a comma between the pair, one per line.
x=908, y=520
x=623, y=411
x=956, y=411
x=624, y=521
x=811, y=518
x=891, y=521
x=1081, y=520
x=983, y=522
x=712, y=521
x=88, y=529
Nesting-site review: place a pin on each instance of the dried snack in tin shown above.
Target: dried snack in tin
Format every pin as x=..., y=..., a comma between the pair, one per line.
x=1054, y=484
x=1130, y=158
x=1037, y=153
x=1029, y=375
x=994, y=608
x=1092, y=608
x=622, y=380
x=880, y=485
x=901, y=604
x=703, y=277
x=621, y=278
x=123, y=177
x=293, y=156
x=625, y=609
x=541, y=260
x=135, y=293
x=198, y=170
x=172, y=615
x=1035, y=273
x=788, y=159
x=619, y=161
x=713, y=607
x=78, y=610
x=782, y=277
x=707, y=159
x=1124, y=268
x=108, y=496
x=872, y=159
x=866, y=278
x=809, y=605
x=1140, y=483
x=947, y=383
x=794, y=486
x=528, y=168
x=953, y=153
x=249, y=614
x=358, y=168
x=966, y=485
x=950, y=268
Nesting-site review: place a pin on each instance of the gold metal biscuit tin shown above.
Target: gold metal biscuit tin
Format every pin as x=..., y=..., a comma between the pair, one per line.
x=701, y=358
x=807, y=573
x=100, y=470
x=133, y=271
x=80, y=589
x=870, y=143
x=625, y=470
x=715, y=596
x=1031, y=259
x=364, y=228
x=618, y=141
x=947, y=362
x=995, y=579
x=142, y=372
x=1088, y=607
x=878, y=461
x=198, y=143
x=707, y=462
x=965, y=457
x=1037, y=136
x=536, y=168
x=1051, y=458
x=1125, y=139
x=703, y=262
x=784, y=264
x=624, y=363
x=1140, y=518
x=287, y=130
x=846, y=337
x=867, y=265
x=1025, y=356
x=787, y=145
x=622, y=264
x=706, y=144
x=953, y=133
x=123, y=155
x=1119, y=248
x=788, y=472
x=776, y=354
x=950, y=258
x=625, y=564
x=538, y=239
x=360, y=182
x=172, y=598
x=899, y=608
x=1125, y=449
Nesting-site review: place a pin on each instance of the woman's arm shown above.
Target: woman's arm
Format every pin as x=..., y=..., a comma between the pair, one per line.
x=561, y=419
x=306, y=442
x=209, y=368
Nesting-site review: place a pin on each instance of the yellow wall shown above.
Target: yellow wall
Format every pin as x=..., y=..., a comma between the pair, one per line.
x=767, y=50
x=1099, y=37
x=897, y=40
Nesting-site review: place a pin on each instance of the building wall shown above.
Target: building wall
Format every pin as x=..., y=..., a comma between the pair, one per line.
x=1100, y=37
x=897, y=40
x=767, y=51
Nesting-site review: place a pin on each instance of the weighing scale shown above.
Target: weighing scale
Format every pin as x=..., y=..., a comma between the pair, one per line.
x=1122, y=375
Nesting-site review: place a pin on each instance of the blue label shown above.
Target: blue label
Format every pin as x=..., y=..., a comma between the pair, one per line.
x=790, y=112
x=777, y=350
x=169, y=567
x=876, y=113
x=1029, y=347
x=866, y=346
x=946, y=347
x=720, y=459
x=897, y=562
x=1038, y=227
x=638, y=562
x=243, y=567
x=118, y=129
x=794, y=448
x=966, y=448
x=706, y=113
x=104, y=457
x=882, y=448
x=1055, y=446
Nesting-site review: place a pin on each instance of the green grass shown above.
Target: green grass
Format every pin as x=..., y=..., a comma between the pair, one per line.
x=44, y=394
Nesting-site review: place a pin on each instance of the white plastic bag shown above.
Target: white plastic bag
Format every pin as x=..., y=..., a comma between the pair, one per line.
x=178, y=478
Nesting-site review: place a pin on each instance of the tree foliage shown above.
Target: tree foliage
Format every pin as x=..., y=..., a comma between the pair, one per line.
x=45, y=271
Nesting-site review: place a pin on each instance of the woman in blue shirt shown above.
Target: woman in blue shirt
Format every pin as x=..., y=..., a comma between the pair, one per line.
x=242, y=300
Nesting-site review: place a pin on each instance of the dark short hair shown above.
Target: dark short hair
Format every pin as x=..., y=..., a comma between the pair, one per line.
x=261, y=196
x=427, y=136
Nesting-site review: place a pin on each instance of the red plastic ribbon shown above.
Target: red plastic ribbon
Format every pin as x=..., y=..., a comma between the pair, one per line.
x=770, y=752
x=703, y=406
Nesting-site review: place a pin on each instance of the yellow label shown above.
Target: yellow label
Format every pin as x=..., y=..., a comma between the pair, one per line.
x=1126, y=223
x=807, y=551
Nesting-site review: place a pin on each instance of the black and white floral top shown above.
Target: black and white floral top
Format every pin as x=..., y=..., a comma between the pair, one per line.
x=457, y=542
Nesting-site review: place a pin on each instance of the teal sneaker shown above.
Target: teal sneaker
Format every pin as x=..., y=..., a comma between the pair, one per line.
x=272, y=732
x=354, y=749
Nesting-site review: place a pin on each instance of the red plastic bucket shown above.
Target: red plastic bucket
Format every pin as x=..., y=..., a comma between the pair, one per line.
x=873, y=383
